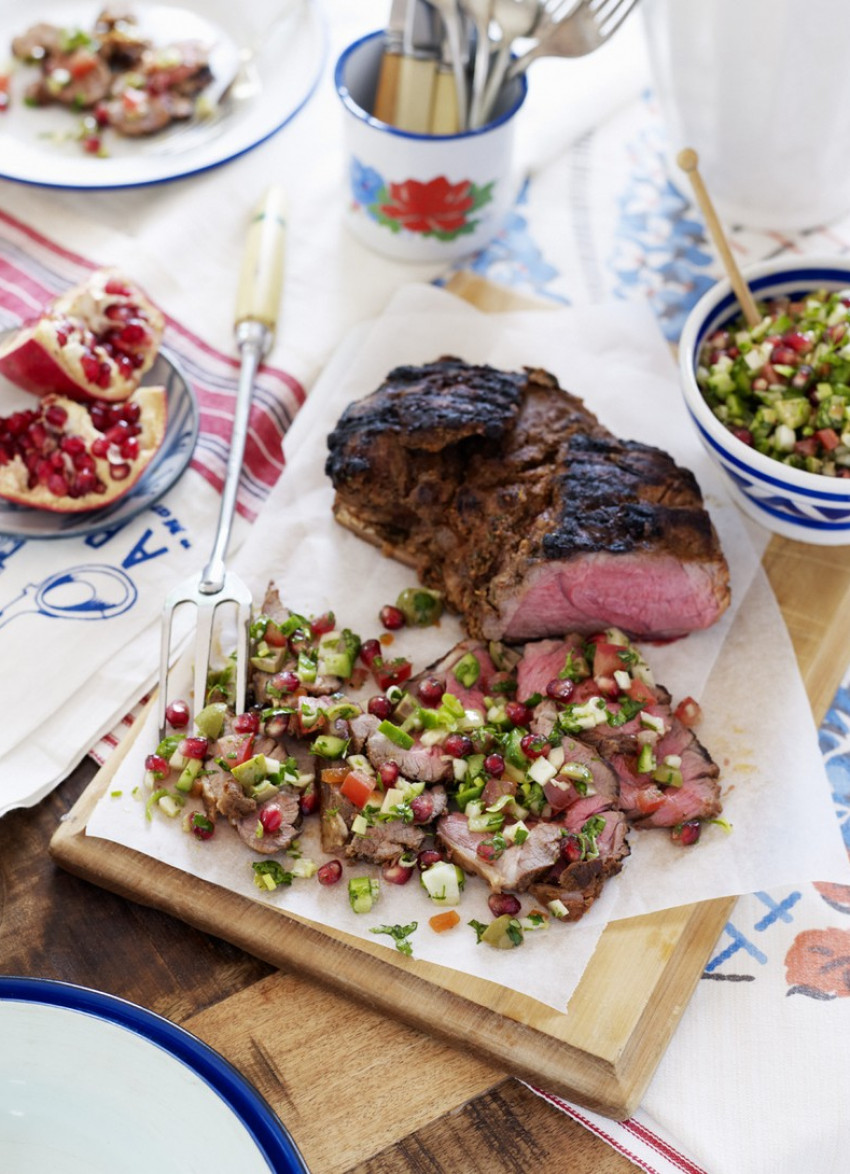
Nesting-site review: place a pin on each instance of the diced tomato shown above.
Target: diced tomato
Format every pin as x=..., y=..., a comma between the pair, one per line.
x=639, y=691
x=440, y=922
x=245, y=751
x=357, y=787
x=828, y=437
x=81, y=63
x=607, y=659
x=688, y=711
x=391, y=672
x=648, y=799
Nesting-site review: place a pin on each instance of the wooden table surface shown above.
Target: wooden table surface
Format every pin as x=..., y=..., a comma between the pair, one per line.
x=358, y=1092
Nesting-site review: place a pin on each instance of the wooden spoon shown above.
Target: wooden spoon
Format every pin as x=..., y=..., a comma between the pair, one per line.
x=688, y=160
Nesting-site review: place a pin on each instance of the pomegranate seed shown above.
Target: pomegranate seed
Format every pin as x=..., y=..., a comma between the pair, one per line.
x=560, y=690
x=177, y=714
x=430, y=691
x=369, y=650
x=119, y=472
x=101, y=114
x=323, y=624
x=783, y=355
x=56, y=415
x=86, y=482
x=743, y=434
x=488, y=850
x=134, y=332
x=391, y=617
x=422, y=807
x=57, y=485
x=157, y=764
x=686, y=833
x=286, y=681
x=131, y=412
x=99, y=416
x=130, y=449
x=389, y=772
x=379, y=706
x=202, y=828
x=797, y=342
x=494, y=764
x=570, y=849
x=329, y=873
x=308, y=802
x=271, y=819
x=91, y=144
x=396, y=874
x=91, y=368
x=534, y=745
x=37, y=436
x=517, y=713
x=194, y=747
x=427, y=857
x=458, y=745
x=247, y=723
x=502, y=903
x=73, y=445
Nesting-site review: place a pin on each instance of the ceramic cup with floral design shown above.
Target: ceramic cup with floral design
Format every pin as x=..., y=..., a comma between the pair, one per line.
x=416, y=197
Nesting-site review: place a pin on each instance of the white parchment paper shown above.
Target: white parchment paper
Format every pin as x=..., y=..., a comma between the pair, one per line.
x=756, y=717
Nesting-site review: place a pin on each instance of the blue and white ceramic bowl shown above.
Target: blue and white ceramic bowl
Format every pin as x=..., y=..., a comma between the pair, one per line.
x=809, y=507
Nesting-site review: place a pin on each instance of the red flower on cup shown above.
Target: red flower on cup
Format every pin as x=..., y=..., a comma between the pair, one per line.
x=818, y=964
x=435, y=207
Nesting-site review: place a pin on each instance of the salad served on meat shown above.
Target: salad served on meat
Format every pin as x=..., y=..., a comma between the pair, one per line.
x=113, y=75
x=526, y=766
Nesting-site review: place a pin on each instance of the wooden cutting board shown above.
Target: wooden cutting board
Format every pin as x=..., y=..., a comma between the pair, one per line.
x=602, y=1050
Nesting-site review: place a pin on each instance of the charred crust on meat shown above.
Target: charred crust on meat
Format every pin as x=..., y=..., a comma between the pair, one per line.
x=483, y=481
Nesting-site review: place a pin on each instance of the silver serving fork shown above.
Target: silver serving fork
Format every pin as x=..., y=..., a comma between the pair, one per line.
x=578, y=33
x=257, y=304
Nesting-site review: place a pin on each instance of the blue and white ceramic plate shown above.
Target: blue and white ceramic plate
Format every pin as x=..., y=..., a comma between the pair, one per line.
x=91, y=1084
x=274, y=51
x=181, y=432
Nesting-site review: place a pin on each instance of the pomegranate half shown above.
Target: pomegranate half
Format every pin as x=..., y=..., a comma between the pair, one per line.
x=95, y=341
x=68, y=456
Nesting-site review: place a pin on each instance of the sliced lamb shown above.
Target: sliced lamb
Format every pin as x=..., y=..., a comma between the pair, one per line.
x=39, y=41
x=222, y=795
x=564, y=790
x=419, y=763
x=260, y=829
x=383, y=843
x=517, y=867
x=505, y=493
x=648, y=804
x=577, y=883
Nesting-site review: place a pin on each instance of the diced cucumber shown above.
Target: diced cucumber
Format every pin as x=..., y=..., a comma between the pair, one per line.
x=189, y=773
x=329, y=746
x=443, y=882
x=363, y=892
x=395, y=734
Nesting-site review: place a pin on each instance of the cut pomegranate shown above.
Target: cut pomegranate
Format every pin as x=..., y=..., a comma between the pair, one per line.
x=95, y=341
x=380, y=706
x=57, y=457
x=388, y=773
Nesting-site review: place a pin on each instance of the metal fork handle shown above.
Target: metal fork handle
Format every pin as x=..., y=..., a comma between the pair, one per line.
x=253, y=340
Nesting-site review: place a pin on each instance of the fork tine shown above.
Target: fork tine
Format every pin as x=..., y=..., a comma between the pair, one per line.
x=203, y=643
x=610, y=14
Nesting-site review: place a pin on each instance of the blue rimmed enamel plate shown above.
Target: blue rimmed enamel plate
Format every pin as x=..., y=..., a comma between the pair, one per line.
x=91, y=1084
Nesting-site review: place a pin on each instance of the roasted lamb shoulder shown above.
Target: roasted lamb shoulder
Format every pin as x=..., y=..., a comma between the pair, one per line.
x=503, y=491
